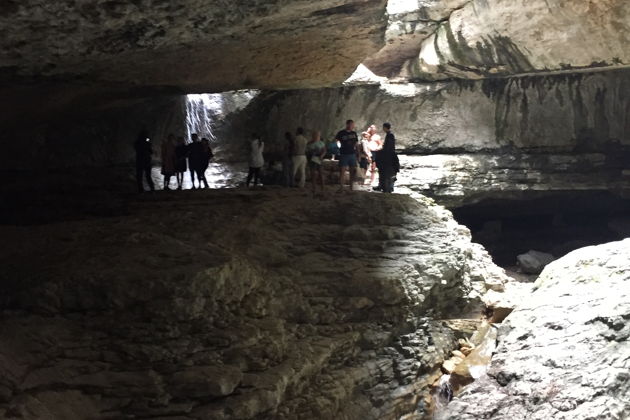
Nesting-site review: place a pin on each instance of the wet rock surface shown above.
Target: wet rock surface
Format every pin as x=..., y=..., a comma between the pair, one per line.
x=564, y=352
x=236, y=304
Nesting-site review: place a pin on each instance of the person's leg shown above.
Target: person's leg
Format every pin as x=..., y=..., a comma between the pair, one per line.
x=250, y=174
x=139, y=174
x=312, y=171
x=192, y=176
x=296, y=168
x=147, y=174
x=287, y=171
x=256, y=176
x=167, y=179
x=342, y=170
x=353, y=175
x=180, y=179
x=387, y=182
x=201, y=177
x=320, y=175
x=302, y=171
x=372, y=172
x=381, y=180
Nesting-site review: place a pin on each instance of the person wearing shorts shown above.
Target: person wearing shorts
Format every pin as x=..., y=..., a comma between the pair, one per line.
x=316, y=150
x=348, y=141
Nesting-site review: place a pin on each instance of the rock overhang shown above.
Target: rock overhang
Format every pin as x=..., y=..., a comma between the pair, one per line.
x=59, y=53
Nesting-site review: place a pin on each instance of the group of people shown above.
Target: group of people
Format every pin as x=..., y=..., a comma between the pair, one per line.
x=177, y=158
x=370, y=153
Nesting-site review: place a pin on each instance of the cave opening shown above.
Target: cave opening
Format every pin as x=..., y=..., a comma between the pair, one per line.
x=550, y=222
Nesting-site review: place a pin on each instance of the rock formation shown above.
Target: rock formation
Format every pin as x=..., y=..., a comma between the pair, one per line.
x=68, y=55
x=564, y=352
x=236, y=305
x=475, y=39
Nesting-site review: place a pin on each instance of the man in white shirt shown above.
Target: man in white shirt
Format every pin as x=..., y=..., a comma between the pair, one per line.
x=299, y=156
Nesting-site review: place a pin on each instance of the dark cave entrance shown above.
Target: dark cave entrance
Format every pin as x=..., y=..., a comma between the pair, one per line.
x=553, y=222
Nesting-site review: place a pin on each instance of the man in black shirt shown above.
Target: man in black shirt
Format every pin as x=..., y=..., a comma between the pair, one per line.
x=144, y=150
x=348, y=153
x=387, y=161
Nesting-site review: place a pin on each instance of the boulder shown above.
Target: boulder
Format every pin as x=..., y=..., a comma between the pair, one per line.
x=563, y=353
x=533, y=262
x=326, y=307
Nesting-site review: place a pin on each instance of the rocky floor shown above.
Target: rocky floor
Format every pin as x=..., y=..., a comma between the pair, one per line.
x=267, y=304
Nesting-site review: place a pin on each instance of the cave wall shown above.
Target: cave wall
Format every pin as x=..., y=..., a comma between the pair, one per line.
x=94, y=138
x=565, y=113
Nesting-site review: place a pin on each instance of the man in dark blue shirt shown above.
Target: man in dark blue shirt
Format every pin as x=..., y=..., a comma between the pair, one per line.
x=348, y=153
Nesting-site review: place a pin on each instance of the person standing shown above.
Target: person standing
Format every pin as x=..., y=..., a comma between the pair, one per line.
x=388, y=164
x=144, y=151
x=194, y=156
x=287, y=160
x=348, y=152
x=168, y=160
x=375, y=145
x=181, y=154
x=316, y=149
x=202, y=161
x=256, y=159
x=364, y=154
x=299, y=157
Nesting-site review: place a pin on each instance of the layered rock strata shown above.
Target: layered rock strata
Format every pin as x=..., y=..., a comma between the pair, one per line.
x=236, y=305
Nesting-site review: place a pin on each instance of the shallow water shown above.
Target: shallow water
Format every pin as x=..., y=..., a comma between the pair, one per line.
x=218, y=175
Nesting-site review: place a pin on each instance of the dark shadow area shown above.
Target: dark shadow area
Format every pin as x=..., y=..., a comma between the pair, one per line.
x=556, y=223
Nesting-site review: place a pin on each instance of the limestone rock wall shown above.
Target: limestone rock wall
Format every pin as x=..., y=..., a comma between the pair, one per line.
x=236, y=305
x=570, y=113
x=564, y=352
x=506, y=37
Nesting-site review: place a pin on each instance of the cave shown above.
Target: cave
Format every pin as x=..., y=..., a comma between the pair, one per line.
x=492, y=283
x=555, y=223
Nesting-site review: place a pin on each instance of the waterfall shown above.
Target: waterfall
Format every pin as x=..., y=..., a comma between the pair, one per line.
x=206, y=111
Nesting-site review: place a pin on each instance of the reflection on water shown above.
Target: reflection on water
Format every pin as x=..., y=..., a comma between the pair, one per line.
x=219, y=175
